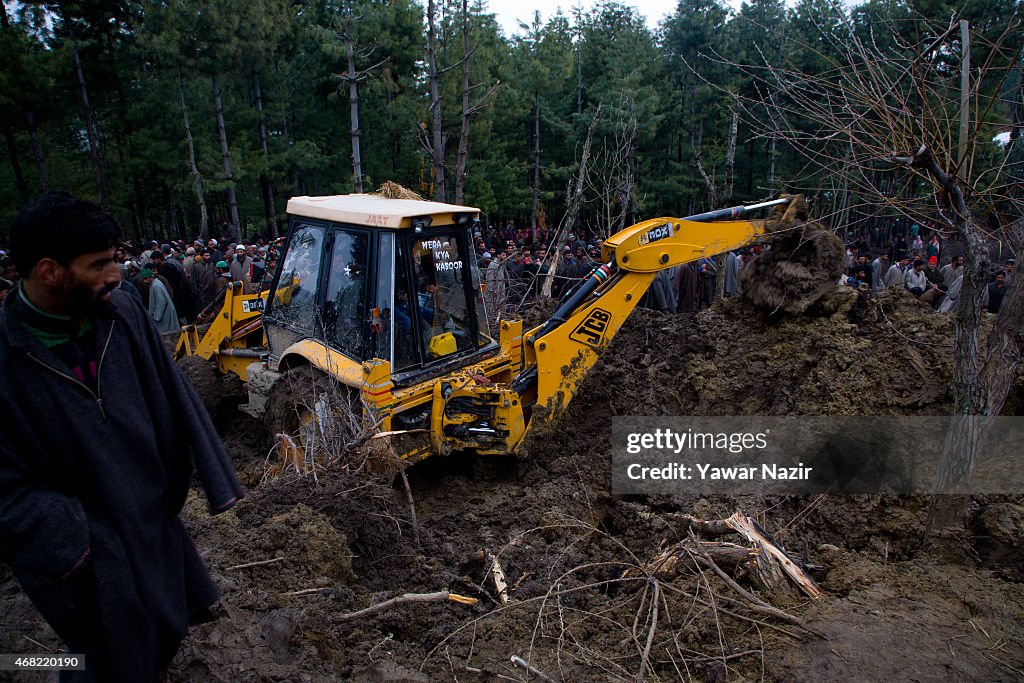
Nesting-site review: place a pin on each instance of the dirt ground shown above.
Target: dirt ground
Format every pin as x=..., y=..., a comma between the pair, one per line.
x=298, y=554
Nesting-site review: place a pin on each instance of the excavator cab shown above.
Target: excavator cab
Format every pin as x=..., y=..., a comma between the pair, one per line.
x=365, y=278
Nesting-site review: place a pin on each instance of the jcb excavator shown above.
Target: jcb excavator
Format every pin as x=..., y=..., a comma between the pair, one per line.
x=385, y=296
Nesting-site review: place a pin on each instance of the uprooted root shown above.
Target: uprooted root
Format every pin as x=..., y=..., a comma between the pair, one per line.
x=668, y=625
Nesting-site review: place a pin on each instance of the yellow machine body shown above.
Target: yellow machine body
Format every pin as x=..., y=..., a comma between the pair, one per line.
x=234, y=338
x=487, y=403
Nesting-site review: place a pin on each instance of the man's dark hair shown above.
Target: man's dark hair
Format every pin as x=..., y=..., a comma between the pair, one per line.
x=60, y=226
x=918, y=262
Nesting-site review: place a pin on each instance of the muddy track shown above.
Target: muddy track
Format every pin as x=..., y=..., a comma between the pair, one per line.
x=564, y=542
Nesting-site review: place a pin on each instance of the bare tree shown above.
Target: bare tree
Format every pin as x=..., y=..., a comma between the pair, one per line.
x=469, y=111
x=892, y=102
x=612, y=181
x=193, y=169
x=436, y=141
x=350, y=80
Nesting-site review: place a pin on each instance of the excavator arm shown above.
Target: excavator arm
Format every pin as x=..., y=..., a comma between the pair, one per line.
x=560, y=353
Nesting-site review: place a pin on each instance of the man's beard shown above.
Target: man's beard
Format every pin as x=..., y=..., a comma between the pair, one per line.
x=83, y=301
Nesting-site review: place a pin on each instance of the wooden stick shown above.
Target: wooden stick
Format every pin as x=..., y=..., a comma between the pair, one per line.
x=723, y=658
x=717, y=527
x=521, y=663
x=307, y=591
x=256, y=564
x=655, y=598
x=412, y=506
x=440, y=596
x=756, y=602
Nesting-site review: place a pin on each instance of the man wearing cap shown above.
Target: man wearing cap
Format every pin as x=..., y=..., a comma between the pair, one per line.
x=215, y=253
x=931, y=271
x=99, y=434
x=161, y=305
x=240, y=267
x=222, y=278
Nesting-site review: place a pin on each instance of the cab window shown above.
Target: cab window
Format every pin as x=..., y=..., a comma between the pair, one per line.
x=294, y=301
x=439, y=275
x=380, y=336
x=344, y=315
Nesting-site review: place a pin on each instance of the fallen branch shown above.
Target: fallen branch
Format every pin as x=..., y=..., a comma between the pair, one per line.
x=673, y=561
x=256, y=564
x=717, y=527
x=725, y=658
x=640, y=676
x=307, y=591
x=756, y=603
x=440, y=596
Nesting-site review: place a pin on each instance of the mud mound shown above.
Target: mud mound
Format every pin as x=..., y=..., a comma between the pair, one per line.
x=802, y=266
x=853, y=354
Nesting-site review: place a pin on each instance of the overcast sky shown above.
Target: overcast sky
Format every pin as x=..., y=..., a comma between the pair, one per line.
x=510, y=12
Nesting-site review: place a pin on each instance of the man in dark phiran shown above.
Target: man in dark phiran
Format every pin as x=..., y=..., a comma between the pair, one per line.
x=99, y=436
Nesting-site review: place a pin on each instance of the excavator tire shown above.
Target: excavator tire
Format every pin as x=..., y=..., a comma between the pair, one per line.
x=803, y=265
x=318, y=414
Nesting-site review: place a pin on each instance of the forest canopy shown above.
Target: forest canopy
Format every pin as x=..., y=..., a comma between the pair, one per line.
x=182, y=113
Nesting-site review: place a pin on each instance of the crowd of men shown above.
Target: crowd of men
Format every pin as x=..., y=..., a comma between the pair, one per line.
x=177, y=282
x=515, y=261
x=916, y=268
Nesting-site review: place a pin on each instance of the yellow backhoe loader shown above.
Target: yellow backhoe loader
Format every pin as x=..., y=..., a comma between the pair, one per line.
x=385, y=297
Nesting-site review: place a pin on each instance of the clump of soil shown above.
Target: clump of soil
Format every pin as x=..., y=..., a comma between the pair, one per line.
x=802, y=266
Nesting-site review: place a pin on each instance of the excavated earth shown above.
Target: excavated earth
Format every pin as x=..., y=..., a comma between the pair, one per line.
x=299, y=553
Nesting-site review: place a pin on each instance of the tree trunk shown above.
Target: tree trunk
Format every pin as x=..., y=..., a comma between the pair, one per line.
x=983, y=374
x=90, y=124
x=225, y=154
x=37, y=150
x=535, y=206
x=730, y=152
x=353, y=110
x=460, y=163
x=267, y=190
x=197, y=178
x=437, y=133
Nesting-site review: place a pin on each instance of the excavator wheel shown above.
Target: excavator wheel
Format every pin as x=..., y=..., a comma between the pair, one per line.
x=310, y=418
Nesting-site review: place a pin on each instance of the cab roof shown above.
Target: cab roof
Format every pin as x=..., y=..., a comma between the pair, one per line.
x=376, y=211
